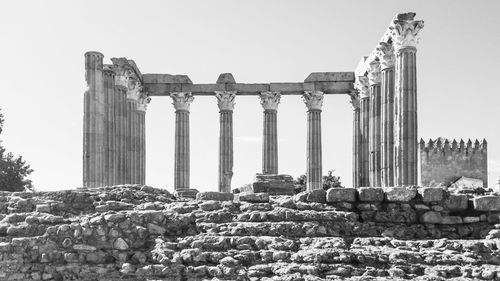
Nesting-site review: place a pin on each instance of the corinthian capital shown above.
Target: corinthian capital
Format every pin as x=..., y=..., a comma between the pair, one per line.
x=405, y=33
x=270, y=100
x=374, y=72
x=134, y=90
x=361, y=85
x=313, y=99
x=354, y=99
x=142, y=102
x=385, y=53
x=225, y=100
x=182, y=100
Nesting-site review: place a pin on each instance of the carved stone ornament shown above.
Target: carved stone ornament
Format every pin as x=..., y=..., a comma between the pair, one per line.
x=405, y=33
x=385, y=53
x=313, y=99
x=134, y=89
x=182, y=100
x=142, y=103
x=225, y=100
x=361, y=85
x=270, y=100
x=354, y=99
x=374, y=72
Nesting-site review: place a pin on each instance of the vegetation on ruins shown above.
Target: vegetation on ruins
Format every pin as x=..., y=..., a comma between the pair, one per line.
x=13, y=170
x=329, y=181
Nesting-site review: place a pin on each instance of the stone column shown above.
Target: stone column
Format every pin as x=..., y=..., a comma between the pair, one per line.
x=385, y=53
x=404, y=35
x=269, y=102
x=374, y=126
x=141, y=111
x=356, y=140
x=181, y=103
x=131, y=131
x=121, y=84
x=314, y=102
x=109, y=126
x=225, y=102
x=361, y=85
x=93, y=121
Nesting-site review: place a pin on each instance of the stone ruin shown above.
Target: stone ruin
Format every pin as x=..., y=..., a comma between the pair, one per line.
x=374, y=231
x=135, y=232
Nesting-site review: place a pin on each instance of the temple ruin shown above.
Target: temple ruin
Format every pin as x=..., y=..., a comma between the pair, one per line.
x=383, y=91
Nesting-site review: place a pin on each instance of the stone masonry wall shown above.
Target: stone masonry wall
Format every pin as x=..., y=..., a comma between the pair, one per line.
x=444, y=161
x=143, y=233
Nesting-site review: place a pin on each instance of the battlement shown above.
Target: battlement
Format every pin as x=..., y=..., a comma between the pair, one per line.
x=442, y=161
x=454, y=146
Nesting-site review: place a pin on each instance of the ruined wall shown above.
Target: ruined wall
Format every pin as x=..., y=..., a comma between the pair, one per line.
x=143, y=233
x=442, y=161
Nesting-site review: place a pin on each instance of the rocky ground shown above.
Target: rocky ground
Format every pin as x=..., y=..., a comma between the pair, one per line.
x=143, y=233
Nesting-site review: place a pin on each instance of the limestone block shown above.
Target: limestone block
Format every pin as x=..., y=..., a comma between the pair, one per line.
x=431, y=217
x=187, y=193
x=213, y=195
x=43, y=208
x=339, y=194
x=456, y=202
x=253, y=197
x=487, y=203
x=318, y=195
x=431, y=194
x=120, y=244
x=210, y=205
x=371, y=194
x=471, y=219
x=156, y=229
x=399, y=194
x=452, y=220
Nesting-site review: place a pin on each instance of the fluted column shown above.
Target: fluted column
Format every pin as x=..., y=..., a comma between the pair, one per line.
x=93, y=124
x=374, y=126
x=141, y=111
x=314, y=102
x=131, y=131
x=121, y=123
x=109, y=127
x=404, y=35
x=356, y=140
x=181, y=102
x=225, y=102
x=361, y=85
x=385, y=52
x=269, y=102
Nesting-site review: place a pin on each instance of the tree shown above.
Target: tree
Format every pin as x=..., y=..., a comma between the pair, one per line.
x=13, y=171
x=330, y=180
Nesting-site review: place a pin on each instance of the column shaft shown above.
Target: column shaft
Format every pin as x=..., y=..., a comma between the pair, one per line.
x=356, y=143
x=110, y=129
x=142, y=147
x=181, y=176
x=387, y=123
x=314, y=157
x=374, y=136
x=270, y=143
x=364, y=125
x=93, y=124
x=406, y=145
x=225, y=150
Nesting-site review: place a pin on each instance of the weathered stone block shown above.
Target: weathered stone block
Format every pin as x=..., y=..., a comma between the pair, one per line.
x=210, y=205
x=339, y=194
x=217, y=196
x=120, y=244
x=487, y=203
x=318, y=195
x=431, y=217
x=431, y=194
x=253, y=197
x=456, y=202
x=187, y=193
x=471, y=219
x=399, y=194
x=452, y=220
x=43, y=208
x=371, y=194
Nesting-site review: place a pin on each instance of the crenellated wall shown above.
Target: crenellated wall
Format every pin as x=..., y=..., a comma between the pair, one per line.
x=442, y=161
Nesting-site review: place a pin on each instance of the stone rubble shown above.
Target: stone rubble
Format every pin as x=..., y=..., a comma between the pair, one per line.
x=137, y=232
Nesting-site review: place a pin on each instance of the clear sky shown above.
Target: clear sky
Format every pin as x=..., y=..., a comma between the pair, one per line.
x=42, y=46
